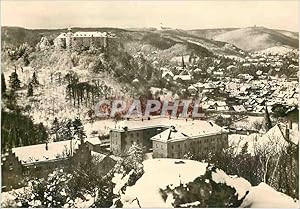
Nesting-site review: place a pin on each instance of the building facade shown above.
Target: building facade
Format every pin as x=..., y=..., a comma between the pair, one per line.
x=21, y=164
x=72, y=41
x=122, y=139
x=169, y=138
x=173, y=144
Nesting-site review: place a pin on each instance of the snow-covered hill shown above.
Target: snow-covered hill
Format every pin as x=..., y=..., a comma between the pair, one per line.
x=256, y=38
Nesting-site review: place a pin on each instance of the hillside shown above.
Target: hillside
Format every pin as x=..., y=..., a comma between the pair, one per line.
x=291, y=34
x=210, y=33
x=143, y=40
x=256, y=38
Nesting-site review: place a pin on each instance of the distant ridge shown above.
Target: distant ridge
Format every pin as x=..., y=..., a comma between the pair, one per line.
x=258, y=38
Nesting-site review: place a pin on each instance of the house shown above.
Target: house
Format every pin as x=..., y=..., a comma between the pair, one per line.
x=238, y=108
x=39, y=160
x=167, y=74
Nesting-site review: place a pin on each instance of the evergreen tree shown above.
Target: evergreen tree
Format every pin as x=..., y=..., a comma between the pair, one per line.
x=34, y=80
x=14, y=81
x=42, y=133
x=55, y=129
x=29, y=90
x=182, y=62
x=78, y=129
x=244, y=149
x=3, y=84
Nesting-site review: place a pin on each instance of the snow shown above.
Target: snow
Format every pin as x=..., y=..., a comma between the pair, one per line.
x=239, y=140
x=38, y=153
x=239, y=184
x=88, y=202
x=188, y=127
x=248, y=122
x=120, y=181
x=188, y=205
x=169, y=135
x=160, y=173
x=276, y=50
x=264, y=196
x=10, y=196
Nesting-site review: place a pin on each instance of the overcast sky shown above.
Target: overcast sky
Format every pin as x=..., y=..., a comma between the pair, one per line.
x=128, y=14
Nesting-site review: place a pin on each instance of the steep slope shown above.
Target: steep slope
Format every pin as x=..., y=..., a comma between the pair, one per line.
x=256, y=38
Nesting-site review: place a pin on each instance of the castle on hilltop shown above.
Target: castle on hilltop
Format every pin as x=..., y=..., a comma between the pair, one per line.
x=71, y=41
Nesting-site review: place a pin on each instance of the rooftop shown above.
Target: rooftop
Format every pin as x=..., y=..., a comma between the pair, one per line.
x=188, y=127
x=38, y=153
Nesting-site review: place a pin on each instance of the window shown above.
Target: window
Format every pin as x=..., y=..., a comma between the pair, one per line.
x=172, y=146
x=137, y=134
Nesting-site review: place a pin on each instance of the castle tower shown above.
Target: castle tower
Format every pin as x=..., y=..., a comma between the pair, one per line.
x=69, y=39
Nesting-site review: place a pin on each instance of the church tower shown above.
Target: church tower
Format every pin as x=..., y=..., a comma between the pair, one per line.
x=267, y=120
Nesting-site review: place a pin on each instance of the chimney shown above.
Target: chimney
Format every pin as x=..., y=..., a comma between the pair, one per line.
x=46, y=145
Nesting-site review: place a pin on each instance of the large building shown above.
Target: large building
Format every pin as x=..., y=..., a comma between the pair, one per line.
x=168, y=138
x=81, y=39
x=39, y=160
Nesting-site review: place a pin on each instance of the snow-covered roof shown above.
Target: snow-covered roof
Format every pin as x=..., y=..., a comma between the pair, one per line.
x=189, y=127
x=62, y=35
x=38, y=153
x=167, y=72
x=239, y=108
x=170, y=135
x=188, y=130
x=81, y=34
x=183, y=77
x=93, y=140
